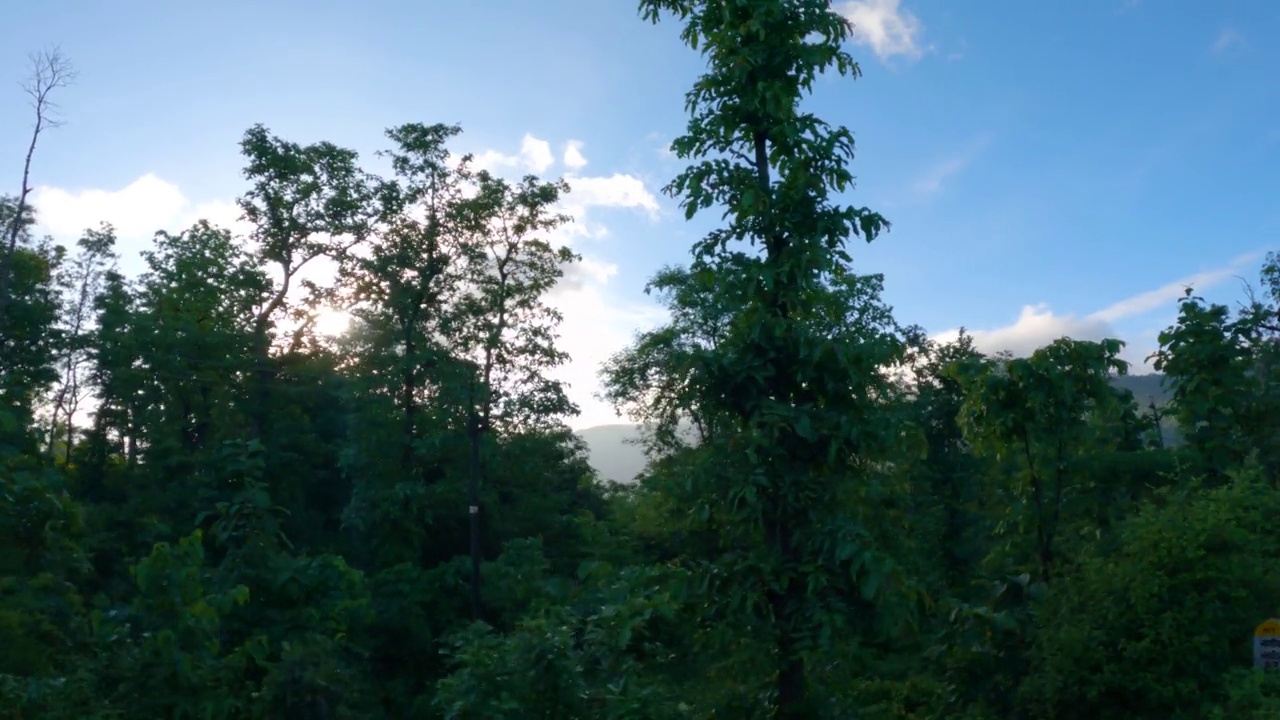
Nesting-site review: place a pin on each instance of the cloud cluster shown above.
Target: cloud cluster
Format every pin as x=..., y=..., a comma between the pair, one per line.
x=1035, y=327
x=137, y=211
x=573, y=158
x=134, y=209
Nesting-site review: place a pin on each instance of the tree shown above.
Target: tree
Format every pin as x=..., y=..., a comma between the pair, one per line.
x=410, y=279
x=1038, y=414
x=30, y=340
x=50, y=71
x=1106, y=646
x=306, y=202
x=196, y=330
x=650, y=382
x=81, y=284
x=800, y=395
x=504, y=327
x=1224, y=371
x=115, y=372
x=946, y=482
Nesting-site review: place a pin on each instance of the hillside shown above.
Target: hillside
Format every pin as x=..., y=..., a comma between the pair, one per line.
x=615, y=453
x=1145, y=388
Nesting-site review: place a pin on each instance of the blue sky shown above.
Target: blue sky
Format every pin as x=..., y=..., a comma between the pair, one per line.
x=1050, y=168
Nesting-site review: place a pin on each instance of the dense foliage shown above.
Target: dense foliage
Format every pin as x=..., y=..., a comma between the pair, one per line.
x=210, y=510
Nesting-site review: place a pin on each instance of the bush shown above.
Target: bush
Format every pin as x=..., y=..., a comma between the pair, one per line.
x=1149, y=630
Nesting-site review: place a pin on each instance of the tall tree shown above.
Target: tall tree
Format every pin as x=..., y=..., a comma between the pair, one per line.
x=1224, y=373
x=801, y=394
x=115, y=370
x=505, y=327
x=406, y=285
x=1039, y=414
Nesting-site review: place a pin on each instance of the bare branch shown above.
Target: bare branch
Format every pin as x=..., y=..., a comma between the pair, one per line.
x=50, y=70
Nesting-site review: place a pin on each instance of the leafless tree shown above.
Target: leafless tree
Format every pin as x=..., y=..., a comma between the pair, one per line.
x=50, y=71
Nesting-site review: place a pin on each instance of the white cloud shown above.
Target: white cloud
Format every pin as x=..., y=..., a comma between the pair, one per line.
x=137, y=211
x=662, y=146
x=888, y=29
x=535, y=156
x=537, y=153
x=1038, y=326
x=617, y=190
x=573, y=158
x=1035, y=327
x=1228, y=38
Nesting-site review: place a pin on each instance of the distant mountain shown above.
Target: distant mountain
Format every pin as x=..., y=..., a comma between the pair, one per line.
x=614, y=452
x=1145, y=388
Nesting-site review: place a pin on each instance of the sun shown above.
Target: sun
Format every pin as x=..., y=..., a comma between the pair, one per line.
x=331, y=322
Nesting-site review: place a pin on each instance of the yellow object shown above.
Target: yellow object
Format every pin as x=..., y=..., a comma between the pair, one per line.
x=1269, y=628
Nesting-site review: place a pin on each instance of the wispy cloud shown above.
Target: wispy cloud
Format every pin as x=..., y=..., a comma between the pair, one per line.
x=1227, y=39
x=1161, y=297
x=935, y=177
x=884, y=26
x=1037, y=325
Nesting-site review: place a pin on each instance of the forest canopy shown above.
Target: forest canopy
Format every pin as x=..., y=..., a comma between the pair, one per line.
x=212, y=510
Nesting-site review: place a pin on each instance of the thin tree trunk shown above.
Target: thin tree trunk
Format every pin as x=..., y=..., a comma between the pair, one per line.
x=478, y=423
x=409, y=390
x=474, y=428
x=15, y=224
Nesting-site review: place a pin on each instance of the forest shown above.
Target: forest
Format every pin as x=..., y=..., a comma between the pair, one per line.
x=210, y=510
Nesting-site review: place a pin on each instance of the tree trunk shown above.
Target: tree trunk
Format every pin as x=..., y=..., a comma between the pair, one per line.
x=474, y=428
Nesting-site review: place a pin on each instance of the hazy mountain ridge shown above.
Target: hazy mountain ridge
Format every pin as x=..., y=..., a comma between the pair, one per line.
x=616, y=454
x=1145, y=388
x=614, y=451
